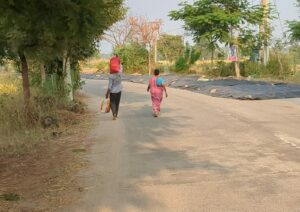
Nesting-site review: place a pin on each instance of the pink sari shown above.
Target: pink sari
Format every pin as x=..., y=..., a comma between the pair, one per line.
x=156, y=94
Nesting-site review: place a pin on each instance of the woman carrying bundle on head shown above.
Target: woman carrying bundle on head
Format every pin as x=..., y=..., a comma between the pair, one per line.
x=115, y=86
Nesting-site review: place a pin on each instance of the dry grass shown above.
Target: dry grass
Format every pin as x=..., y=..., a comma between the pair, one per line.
x=18, y=129
x=39, y=166
x=45, y=179
x=94, y=65
x=21, y=129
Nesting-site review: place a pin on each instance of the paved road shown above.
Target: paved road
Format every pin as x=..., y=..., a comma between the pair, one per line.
x=203, y=154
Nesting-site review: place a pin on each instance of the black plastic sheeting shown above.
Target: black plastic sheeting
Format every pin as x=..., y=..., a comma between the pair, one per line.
x=224, y=88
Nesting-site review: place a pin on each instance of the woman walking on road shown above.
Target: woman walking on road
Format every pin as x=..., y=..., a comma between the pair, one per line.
x=115, y=86
x=156, y=87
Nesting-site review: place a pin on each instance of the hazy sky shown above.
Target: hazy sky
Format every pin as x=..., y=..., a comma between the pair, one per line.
x=159, y=9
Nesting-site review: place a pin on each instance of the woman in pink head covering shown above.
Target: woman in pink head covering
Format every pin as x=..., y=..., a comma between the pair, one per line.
x=156, y=88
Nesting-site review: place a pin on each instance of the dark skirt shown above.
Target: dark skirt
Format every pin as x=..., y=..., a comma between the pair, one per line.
x=115, y=103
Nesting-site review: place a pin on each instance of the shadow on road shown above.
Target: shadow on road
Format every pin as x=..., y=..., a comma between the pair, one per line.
x=152, y=151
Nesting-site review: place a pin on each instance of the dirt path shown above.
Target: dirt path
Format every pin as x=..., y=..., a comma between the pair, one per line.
x=203, y=154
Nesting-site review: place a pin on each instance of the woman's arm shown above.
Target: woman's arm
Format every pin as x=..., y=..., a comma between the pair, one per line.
x=148, y=89
x=165, y=89
x=110, y=82
x=107, y=94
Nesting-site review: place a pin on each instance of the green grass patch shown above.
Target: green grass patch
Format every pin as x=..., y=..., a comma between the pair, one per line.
x=79, y=150
x=10, y=197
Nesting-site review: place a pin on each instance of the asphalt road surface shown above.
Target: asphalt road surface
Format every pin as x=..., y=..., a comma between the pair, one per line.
x=202, y=154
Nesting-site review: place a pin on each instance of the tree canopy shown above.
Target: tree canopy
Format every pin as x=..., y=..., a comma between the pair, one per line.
x=294, y=27
x=219, y=21
x=50, y=27
x=214, y=19
x=170, y=47
x=44, y=30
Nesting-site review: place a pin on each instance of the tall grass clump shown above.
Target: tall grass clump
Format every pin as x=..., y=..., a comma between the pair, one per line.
x=278, y=68
x=21, y=127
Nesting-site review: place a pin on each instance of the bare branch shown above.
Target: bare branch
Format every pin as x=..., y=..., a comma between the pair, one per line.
x=119, y=34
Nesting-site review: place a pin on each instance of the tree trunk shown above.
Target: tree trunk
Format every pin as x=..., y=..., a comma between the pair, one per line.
x=68, y=77
x=237, y=69
x=25, y=77
x=212, y=58
x=190, y=56
x=149, y=61
x=155, y=52
x=237, y=63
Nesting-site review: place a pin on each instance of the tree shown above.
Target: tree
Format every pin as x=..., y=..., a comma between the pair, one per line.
x=294, y=28
x=170, y=47
x=120, y=33
x=58, y=30
x=187, y=59
x=146, y=33
x=219, y=21
x=133, y=56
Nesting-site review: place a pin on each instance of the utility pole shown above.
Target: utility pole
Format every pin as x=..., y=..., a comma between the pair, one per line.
x=156, y=25
x=265, y=30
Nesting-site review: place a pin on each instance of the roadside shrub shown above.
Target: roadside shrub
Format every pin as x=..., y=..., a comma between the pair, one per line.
x=189, y=58
x=221, y=69
x=134, y=58
x=181, y=65
x=296, y=77
x=278, y=67
x=252, y=69
x=15, y=122
x=226, y=69
x=21, y=127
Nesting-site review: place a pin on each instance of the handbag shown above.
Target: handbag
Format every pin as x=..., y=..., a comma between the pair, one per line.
x=105, y=106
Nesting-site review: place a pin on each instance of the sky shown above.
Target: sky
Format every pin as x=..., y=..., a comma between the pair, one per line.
x=159, y=9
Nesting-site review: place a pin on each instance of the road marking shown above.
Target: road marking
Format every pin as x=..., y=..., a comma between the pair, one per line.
x=294, y=142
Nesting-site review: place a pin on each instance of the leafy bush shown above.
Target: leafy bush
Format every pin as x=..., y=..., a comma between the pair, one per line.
x=189, y=58
x=134, y=58
x=221, y=69
x=278, y=67
x=226, y=69
x=181, y=65
x=252, y=69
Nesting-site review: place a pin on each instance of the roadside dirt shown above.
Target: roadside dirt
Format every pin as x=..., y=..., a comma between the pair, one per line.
x=45, y=179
